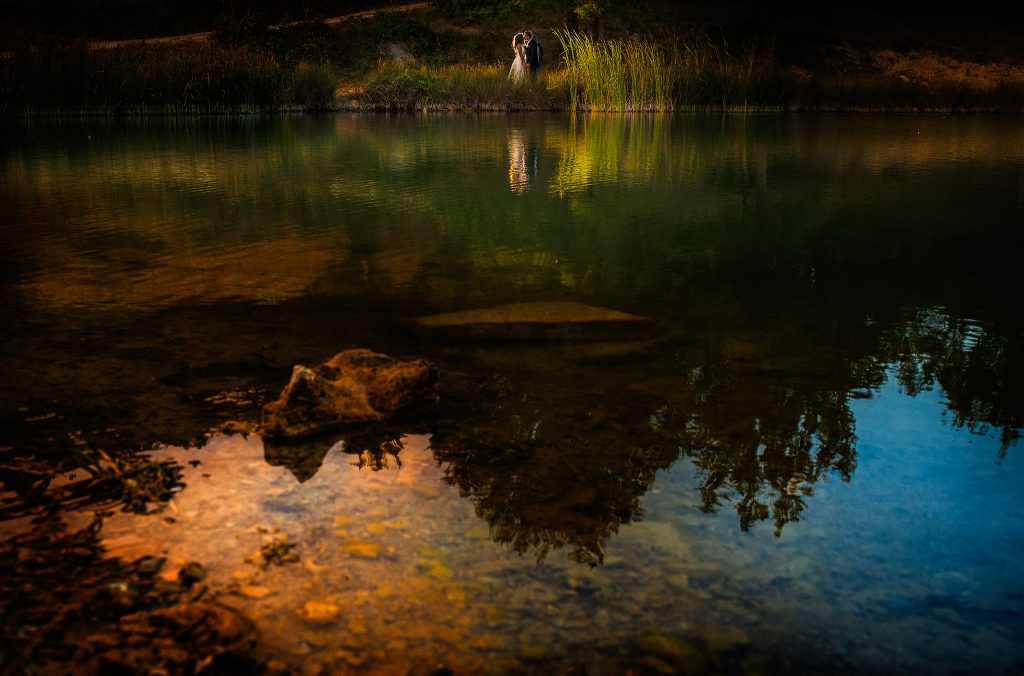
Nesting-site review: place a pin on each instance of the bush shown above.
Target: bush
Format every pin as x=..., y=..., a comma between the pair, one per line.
x=312, y=86
x=394, y=84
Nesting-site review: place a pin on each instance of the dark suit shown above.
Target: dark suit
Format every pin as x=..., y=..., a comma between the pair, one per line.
x=534, y=52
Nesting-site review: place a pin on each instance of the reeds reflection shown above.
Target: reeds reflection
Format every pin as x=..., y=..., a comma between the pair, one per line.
x=607, y=149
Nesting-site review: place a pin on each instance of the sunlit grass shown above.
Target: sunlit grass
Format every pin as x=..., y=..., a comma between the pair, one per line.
x=397, y=85
x=640, y=74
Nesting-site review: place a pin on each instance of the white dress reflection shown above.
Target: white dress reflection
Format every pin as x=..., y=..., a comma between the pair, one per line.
x=518, y=174
x=522, y=162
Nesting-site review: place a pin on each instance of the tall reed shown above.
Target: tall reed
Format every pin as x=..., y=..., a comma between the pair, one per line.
x=639, y=74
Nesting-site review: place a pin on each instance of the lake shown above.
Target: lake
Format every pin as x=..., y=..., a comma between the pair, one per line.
x=809, y=461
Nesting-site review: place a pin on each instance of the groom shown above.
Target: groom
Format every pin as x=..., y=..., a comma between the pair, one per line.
x=533, y=52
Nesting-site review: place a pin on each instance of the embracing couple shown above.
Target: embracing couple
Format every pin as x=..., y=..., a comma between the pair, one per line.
x=528, y=57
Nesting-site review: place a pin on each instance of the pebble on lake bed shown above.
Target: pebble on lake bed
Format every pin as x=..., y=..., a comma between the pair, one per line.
x=319, y=612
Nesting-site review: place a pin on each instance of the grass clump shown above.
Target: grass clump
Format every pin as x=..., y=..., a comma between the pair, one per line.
x=312, y=86
x=394, y=85
x=626, y=74
x=641, y=74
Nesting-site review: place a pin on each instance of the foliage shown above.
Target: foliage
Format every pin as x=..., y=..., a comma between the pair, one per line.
x=312, y=86
x=398, y=85
x=480, y=9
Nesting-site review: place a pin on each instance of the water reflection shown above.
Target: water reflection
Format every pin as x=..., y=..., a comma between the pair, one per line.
x=977, y=369
x=374, y=449
x=764, y=417
x=615, y=150
x=522, y=161
x=163, y=278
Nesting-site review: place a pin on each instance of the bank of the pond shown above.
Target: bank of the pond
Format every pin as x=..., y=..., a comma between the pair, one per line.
x=694, y=74
x=443, y=55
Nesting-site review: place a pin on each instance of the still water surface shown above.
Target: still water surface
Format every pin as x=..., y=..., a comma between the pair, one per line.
x=810, y=463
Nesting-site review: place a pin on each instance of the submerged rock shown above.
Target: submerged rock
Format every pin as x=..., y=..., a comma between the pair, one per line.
x=319, y=612
x=534, y=321
x=184, y=638
x=353, y=387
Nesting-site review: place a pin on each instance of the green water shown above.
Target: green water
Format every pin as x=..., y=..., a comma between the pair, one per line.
x=810, y=463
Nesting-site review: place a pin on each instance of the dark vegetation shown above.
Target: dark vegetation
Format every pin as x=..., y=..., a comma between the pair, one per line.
x=67, y=607
x=272, y=55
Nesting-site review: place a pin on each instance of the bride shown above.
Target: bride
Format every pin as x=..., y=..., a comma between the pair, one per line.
x=518, y=71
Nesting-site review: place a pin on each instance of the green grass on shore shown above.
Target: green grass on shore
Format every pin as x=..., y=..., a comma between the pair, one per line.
x=246, y=67
x=393, y=85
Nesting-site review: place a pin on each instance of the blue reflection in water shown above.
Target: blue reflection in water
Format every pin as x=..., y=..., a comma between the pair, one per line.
x=913, y=565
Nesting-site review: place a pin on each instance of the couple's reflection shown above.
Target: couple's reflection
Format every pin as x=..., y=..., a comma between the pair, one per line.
x=522, y=161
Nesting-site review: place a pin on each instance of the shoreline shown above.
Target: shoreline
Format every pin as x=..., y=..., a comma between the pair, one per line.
x=475, y=109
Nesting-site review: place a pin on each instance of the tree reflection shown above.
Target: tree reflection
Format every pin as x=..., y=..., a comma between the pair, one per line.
x=374, y=449
x=760, y=443
x=763, y=414
x=546, y=469
x=979, y=370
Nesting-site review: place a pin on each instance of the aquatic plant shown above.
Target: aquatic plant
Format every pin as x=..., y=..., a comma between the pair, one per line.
x=137, y=482
x=277, y=552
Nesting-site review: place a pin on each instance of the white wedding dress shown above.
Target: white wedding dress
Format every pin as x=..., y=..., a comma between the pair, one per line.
x=518, y=71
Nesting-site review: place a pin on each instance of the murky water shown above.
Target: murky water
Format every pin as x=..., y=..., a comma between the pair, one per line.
x=809, y=463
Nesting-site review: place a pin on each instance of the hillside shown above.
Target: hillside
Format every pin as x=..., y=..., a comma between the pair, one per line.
x=110, y=55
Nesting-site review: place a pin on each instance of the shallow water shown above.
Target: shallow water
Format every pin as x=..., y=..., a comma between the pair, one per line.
x=809, y=463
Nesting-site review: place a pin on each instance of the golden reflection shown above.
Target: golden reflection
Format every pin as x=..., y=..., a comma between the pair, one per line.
x=355, y=583
x=603, y=149
x=521, y=162
x=266, y=272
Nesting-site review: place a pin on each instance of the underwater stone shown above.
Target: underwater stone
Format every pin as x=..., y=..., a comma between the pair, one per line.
x=533, y=321
x=319, y=612
x=353, y=387
x=681, y=654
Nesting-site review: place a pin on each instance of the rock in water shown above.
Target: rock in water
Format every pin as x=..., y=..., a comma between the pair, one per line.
x=534, y=321
x=354, y=387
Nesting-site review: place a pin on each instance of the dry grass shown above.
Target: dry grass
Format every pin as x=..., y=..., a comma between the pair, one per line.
x=394, y=85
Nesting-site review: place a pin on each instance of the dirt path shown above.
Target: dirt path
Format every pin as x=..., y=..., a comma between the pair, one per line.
x=205, y=36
